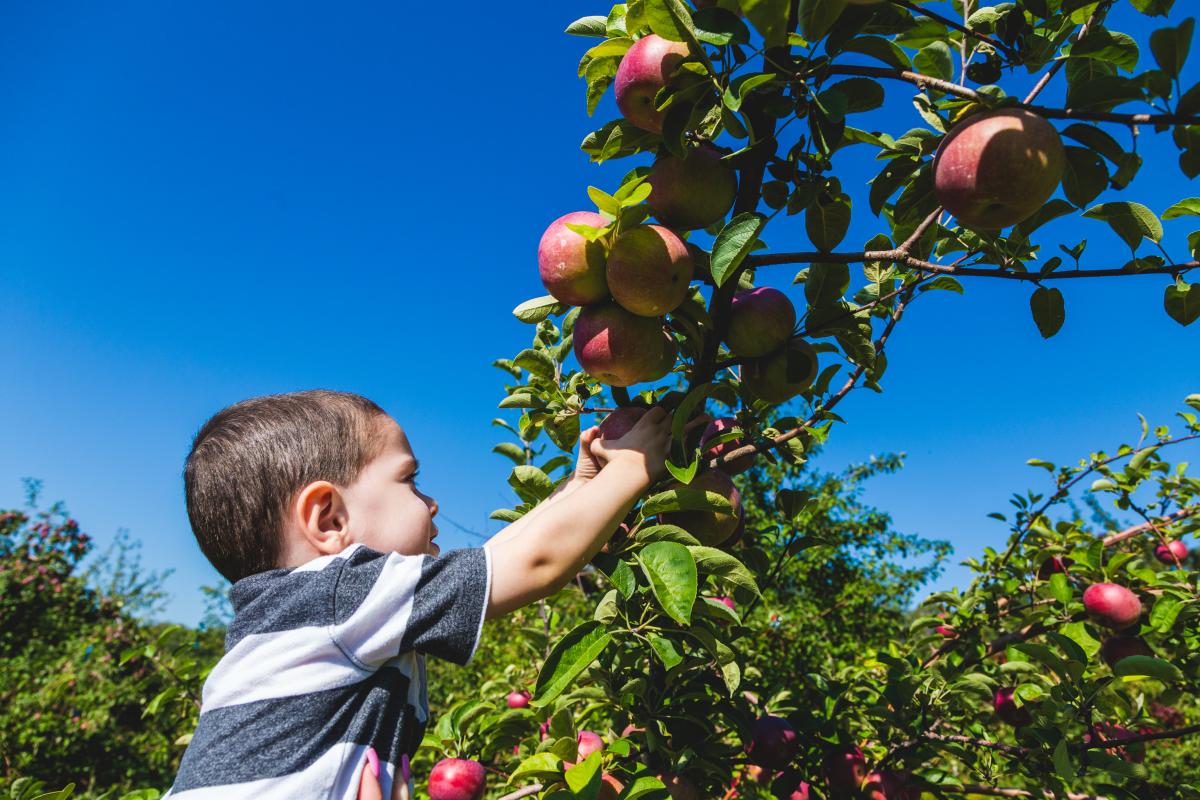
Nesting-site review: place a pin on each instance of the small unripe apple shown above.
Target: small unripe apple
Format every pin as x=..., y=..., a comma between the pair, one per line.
x=715, y=429
x=773, y=742
x=571, y=267
x=1112, y=605
x=845, y=768
x=996, y=168
x=760, y=322
x=1114, y=648
x=1008, y=710
x=649, y=271
x=457, y=779
x=782, y=375
x=616, y=347
x=589, y=742
x=518, y=699
x=711, y=528
x=644, y=70
x=694, y=191
x=620, y=422
x=1169, y=552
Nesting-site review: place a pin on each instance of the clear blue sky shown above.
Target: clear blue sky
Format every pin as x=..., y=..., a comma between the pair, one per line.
x=201, y=203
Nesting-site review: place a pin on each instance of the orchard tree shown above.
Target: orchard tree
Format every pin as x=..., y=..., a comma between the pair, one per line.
x=1037, y=678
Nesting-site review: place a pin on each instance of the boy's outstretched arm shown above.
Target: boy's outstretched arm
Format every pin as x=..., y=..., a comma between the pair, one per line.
x=554, y=546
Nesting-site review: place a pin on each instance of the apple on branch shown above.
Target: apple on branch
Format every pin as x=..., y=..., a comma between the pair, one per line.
x=649, y=271
x=457, y=779
x=616, y=347
x=643, y=72
x=572, y=268
x=693, y=191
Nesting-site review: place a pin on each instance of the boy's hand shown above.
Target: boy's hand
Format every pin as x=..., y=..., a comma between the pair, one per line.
x=644, y=448
x=586, y=464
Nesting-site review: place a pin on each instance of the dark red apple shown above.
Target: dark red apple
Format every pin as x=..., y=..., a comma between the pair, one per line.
x=679, y=787
x=457, y=779
x=845, y=769
x=1008, y=710
x=997, y=168
x=889, y=785
x=1052, y=565
x=789, y=785
x=711, y=528
x=519, y=699
x=649, y=270
x=760, y=322
x=1111, y=732
x=715, y=429
x=572, y=268
x=694, y=191
x=773, y=742
x=616, y=347
x=781, y=376
x=643, y=72
x=1114, y=648
x=620, y=422
x=1112, y=605
x=1171, y=551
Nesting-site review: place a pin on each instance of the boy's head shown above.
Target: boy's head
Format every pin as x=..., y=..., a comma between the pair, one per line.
x=280, y=480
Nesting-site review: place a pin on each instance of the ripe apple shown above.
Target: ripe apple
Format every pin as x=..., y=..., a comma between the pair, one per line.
x=620, y=422
x=610, y=788
x=1052, y=565
x=845, y=768
x=773, y=742
x=947, y=631
x=457, y=779
x=789, y=785
x=715, y=429
x=711, y=528
x=572, y=268
x=1112, y=605
x=1008, y=710
x=727, y=602
x=679, y=787
x=1114, y=648
x=643, y=72
x=519, y=699
x=888, y=785
x=760, y=322
x=781, y=376
x=694, y=191
x=649, y=270
x=996, y=168
x=1169, y=552
x=616, y=347
x=589, y=742
x=1108, y=731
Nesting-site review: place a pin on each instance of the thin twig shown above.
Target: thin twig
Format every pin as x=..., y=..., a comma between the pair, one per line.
x=1097, y=15
x=949, y=23
x=1141, y=528
x=527, y=791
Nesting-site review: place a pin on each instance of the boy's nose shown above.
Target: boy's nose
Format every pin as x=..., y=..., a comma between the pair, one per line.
x=433, y=506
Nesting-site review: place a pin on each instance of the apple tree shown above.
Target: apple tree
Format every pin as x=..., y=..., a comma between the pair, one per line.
x=1041, y=677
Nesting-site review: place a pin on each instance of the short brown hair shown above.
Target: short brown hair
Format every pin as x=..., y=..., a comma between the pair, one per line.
x=250, y=459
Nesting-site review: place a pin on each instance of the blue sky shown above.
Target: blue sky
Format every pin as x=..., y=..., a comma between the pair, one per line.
x=201, y=203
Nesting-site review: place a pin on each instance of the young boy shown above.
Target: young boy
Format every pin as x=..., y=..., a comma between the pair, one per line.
x=308, y=504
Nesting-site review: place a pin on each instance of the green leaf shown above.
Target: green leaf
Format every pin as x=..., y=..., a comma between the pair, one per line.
x=731, y=672
x=733, y=244
x=1170, y=46
x=571, y=655
x=685, y=500
x=1084, y=177
x=539, y=765
x=884, y=50
x=742, y=86
x=1060, y=587
x=943, y=283
x=1097, y=139
x=1131, y=221
x=683, y=474
x=1184, y=208
x=1062, y=761
x=585, y=775
x=537, y=309
x=935, y=60
x=670, y=19
x=1182, y=301
x=1105, y=45
x=666, y=651
x=724, y=566
x=1077, y=632
x=530, y=483
x=1048, y=311
x=816, y=16
x=589, y=26
x=1147, y=666
x=618, y=571
x=827, y=220
x=536, y=362
x=671, y=571
x=1165, y=612
x=826, y=283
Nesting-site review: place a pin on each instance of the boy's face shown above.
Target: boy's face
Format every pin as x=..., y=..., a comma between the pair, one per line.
x=386, y=512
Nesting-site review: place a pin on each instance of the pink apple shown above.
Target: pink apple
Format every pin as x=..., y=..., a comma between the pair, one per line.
x=1169, y=552
x=644, y=70
x=572, y=268
x=1115, y=648
x=616, y=347
x=649, y=271
x=694, y=191
x=518, y=699
x=760, y=321
x=1008, y=710
x=845, y=768
x=589, y=742
x=620, y=422
x=712, y=528
x=1112, y=605
x=457, y=779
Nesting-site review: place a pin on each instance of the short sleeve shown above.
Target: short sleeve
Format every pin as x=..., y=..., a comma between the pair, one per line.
x=388, y=604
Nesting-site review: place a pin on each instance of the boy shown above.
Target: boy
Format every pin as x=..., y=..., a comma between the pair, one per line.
x=308, y=504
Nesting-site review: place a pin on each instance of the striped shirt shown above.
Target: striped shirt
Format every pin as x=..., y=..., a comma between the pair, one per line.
x=323, y=661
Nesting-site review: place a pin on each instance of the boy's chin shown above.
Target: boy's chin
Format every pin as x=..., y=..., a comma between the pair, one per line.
x=433, y=549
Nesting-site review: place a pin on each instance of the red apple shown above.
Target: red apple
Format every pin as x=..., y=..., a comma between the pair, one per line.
x=760, y=322
x=620, y=422
x=649, y=270
x=1107, y=731
x=616, y=347
x=572, y=268
x=589, y=742
x=845, y=768
x=711, y=528
x=694, y=191
x=781, y=376
x=1169, y=552
x=1114, y=648
x=679, y=787
x=715, y=429
x=519, y=699
x=727, y=602
x=643, y=72
x=888, y=785
x=789, y=785
x=773, y=742
x=1112, y=605
x=997, y=168
x=1008, y=710
x=457, y=779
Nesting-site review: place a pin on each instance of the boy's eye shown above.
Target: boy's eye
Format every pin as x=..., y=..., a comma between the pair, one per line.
x=413, y=477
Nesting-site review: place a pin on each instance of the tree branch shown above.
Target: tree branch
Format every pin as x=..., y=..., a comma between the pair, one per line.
x=996, y=791
x=1010, y=749
x=1097, y=16
x=527, y=791
x=949, y=23
x=1125, y=741
x=1143, y=527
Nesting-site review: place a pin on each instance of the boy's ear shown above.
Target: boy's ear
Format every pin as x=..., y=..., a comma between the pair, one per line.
x=320, y=515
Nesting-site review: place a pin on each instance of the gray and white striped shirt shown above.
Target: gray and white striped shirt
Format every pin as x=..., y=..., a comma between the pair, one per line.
x=323, y=661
